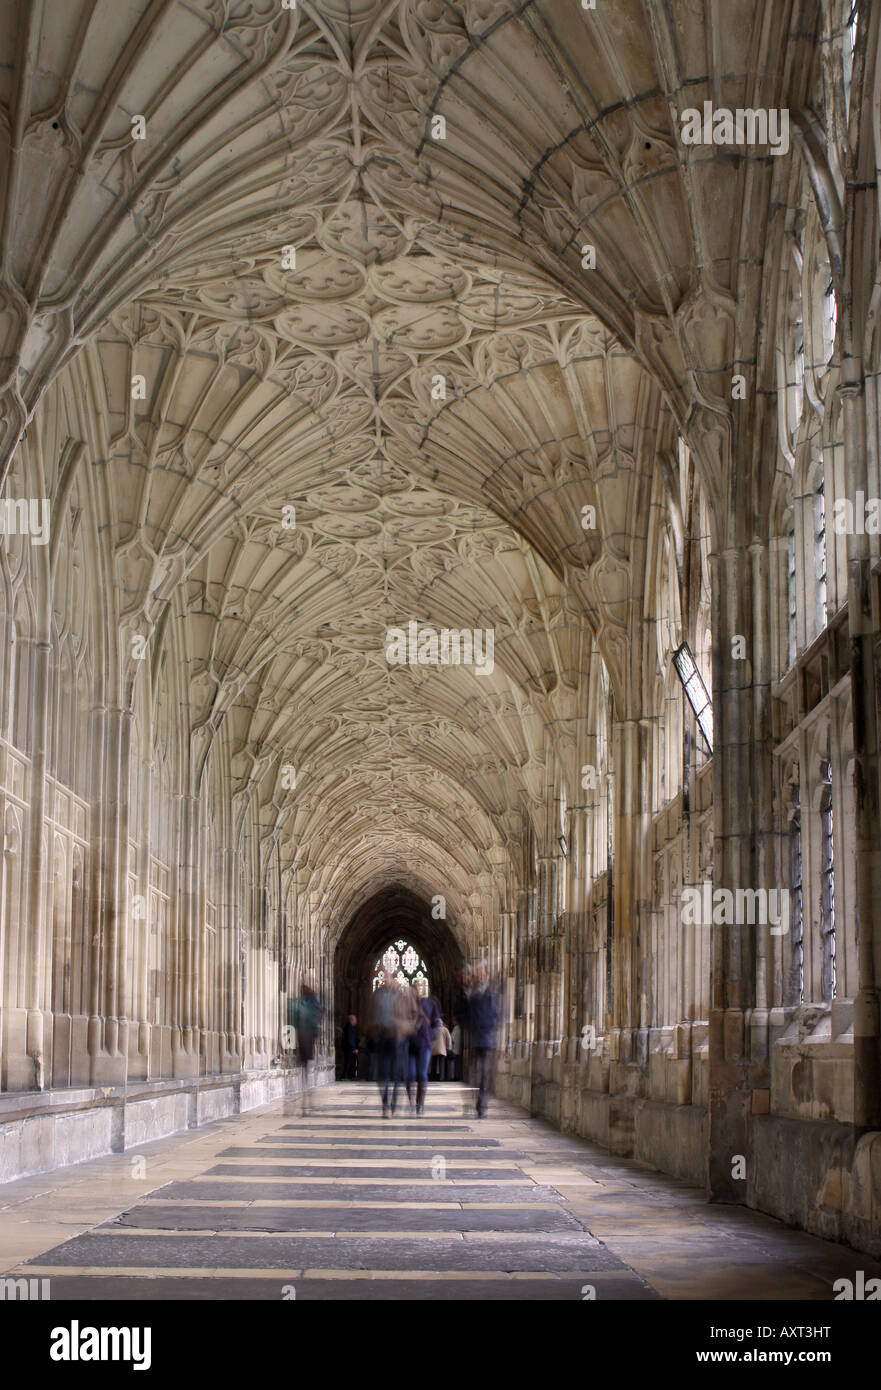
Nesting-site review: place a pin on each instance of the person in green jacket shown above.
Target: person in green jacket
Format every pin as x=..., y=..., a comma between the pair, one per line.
x=304, y=1014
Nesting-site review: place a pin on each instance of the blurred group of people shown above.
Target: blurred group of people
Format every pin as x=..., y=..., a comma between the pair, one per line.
x=406, y=1026
x=360, y=1052
x=409, y=1037
x=407, y=1040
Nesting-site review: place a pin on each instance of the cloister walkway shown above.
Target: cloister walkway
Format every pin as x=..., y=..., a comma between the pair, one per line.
x=340, y=1204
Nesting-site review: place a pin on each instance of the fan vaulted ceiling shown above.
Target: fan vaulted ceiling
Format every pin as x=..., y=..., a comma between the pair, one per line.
x=315, y=385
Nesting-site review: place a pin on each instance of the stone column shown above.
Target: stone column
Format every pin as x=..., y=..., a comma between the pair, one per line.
x=743, y=848
x=865, y=639
x=547, y=892
x=190, y=927
x=628, y=833
x=108, y=1028
x=31, y=1069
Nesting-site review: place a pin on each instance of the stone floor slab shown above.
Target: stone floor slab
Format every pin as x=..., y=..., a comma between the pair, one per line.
x=339, y=1204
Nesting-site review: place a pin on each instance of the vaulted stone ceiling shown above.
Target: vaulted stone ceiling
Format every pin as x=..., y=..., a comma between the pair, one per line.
x=315, y=386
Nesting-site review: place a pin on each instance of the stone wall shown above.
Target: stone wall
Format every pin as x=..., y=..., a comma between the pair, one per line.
x=52, y=1129
x=807, y=1173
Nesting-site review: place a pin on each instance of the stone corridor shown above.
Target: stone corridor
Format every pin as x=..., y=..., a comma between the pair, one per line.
x=338, y=1204
x=440, y=538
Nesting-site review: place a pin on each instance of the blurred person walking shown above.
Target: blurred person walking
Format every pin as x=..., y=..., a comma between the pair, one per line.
x=351, y=1048
x=482, y=1021
x=304, y=1014
x=454, y=1053
x=422, y=1041
x=409, y=1021
x=383, y=1023
x=439, y=1052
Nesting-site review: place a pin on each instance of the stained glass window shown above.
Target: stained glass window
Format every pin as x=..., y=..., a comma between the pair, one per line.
x=404, y=962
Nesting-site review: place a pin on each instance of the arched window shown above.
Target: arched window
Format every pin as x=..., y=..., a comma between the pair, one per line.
x=791, y=597
x=827, y=882
x=793, y=349
x=825, y=308
x=848, y=45
x=404, y=963
x=796, y=984
x=819, y=546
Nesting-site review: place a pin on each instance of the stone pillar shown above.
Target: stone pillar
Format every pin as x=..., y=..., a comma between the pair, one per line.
x=627, y=836
x=108, y=1029
x=508, y=945
x=743, y=848
x=140, y=1050
x=573, y=1022
x=548, y=867
x=864, y=623
x=232, y=974
x=30, y=1068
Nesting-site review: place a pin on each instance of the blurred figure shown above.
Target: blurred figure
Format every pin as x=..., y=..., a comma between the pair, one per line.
x=383, y=1024
x=482, y=1021
x=440, y=1048
x=454, y=1053
x=460, y=1021
x=409, y=1024
x=427, y=1025
x=304, y=1014
x=460, y=1006
x=351, y=1048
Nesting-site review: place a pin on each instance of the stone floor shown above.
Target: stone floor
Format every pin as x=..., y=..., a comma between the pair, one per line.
x=342, y=1204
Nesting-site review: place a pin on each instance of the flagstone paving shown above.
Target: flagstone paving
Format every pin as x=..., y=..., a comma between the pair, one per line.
x=341, y=1204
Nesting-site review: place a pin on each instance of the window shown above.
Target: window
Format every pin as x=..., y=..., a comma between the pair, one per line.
x=695, y=691
x=820, y=552
x=404, y=962
x=830, y=322
x=791, y=599
x=827, y=883
x=848, y=45
x=795, y=338
x=795, y=992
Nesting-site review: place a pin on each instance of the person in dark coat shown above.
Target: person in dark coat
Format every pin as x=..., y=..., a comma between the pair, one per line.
x=351, y=1046
x=428, y=1023
x=482, y=1017
x=390, y=1041
x=454, y=1053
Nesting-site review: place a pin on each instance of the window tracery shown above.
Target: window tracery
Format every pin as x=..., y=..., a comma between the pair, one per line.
x=404, y=964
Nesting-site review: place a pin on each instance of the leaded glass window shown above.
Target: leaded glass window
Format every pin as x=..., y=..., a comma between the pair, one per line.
x=404, y=963
x=795, y=991
x=820, y=551
x=827, y=883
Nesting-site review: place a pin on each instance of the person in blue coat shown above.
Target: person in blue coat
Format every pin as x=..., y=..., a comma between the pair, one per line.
x=482, y=1019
